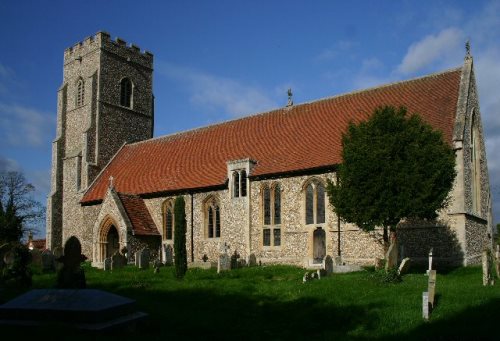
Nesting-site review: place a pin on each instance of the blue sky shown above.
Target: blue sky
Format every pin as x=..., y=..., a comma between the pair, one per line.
x=217, y=60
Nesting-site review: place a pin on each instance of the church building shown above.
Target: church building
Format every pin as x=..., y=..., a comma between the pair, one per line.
x=255, y=185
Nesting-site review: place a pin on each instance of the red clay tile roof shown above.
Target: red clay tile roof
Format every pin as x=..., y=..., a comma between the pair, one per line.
x=297, y=138
x=138, y=214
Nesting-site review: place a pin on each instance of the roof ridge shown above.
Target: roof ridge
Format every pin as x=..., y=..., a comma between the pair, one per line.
x=269, y=112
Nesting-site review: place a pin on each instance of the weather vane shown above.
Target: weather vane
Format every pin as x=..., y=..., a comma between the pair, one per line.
x=290, y=100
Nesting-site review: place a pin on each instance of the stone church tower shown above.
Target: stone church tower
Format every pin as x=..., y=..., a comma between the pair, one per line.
x=105, y=100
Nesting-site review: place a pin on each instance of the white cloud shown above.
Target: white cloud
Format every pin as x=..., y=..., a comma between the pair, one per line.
x=340, y=48
x=8, y=165
x=431, y=49
x=23, y=126
x=218, y=93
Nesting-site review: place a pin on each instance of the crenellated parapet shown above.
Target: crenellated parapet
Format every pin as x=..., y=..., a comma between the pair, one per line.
x=119, y=47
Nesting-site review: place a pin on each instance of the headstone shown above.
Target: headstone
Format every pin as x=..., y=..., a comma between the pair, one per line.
x=137, y=260
x=16, y=272
x=404, y=266
x=48, y=261
x=328, y=264
x=242, y=263
x=392, y=254
x=430, y=262
x=58, y=252
x=144, y=258
x=487, y=275
x=432, y=287
x=36, y=258
x=337, y=261
x=169, y=255
x=156, y=266
x=224, y=263
x=252, y=260
x=118, y=261
x=71, y=275
x=234, y=259
x=107, y=264
x=425, y=305
x=379, y=263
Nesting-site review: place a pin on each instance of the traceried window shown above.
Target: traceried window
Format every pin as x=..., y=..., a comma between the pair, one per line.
x=212, y=218
x=315, y=203
x=271, y=202
x=80, y=92
x=475, y=166
x=168, y=220
x=239, y=183
x=126, y=93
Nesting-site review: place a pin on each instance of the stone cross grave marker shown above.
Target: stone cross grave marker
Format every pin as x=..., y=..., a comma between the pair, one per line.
x=169, y=255
x=432, y=287
x=71, y=275
x=107, y=264
x=328, y=264
x=404, y=266
x=430, y=262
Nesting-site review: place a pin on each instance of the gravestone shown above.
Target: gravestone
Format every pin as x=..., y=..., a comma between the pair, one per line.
x=36, y=258
x=107, y=264
x=425, y=305
x=144, y=258
x=252, y=260
x=224, y=263
x=392, y=254
x=487, y=265
x=58, y=252
x=48, y=261
x=404, y=266
x=234, y=260
x=328, y=265
x=242, y=263
x=118, y=261
x=169, y=255
x=156, y=266
x=430, y=262
x=71, y=275
x=432, y=287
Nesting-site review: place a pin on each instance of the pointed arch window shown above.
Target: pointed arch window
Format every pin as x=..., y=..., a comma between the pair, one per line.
x=80, y=92
x=168, y=220
x=126, y=93
x=315, y=203
x=212, y=218
x=271, y=202
x=239, y=183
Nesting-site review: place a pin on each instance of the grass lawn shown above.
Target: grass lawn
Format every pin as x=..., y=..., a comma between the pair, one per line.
x=273, y=303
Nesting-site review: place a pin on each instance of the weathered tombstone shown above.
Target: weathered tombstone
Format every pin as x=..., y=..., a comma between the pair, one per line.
x=392, y=254
x=169, y=255
x=118, y=261
x=252, y=260
x=430, y=263
x=432, y=287
x=144, y=258
x=156, y=266
x=242, y=263
x=137, y=259
x=36, y=258
x=48, y=261
x=328, y=264
x=107, y=264
x=425, y=305
x=58, y=252
x=234, y=260
x=71, y=275
x=404, y=266
x=487, y=265
x=224, y=263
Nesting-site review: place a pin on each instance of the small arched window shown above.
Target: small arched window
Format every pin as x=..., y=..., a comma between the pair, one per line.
x=80, y=92
x=271, y=200
x=126, y=93
x=212, y=218
x=236, y=184
x=168, y=218
x=239, y=183
x=315, y=203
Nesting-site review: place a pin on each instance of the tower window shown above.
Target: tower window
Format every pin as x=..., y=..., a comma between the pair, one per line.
x=80, y=92
x=239, y=184
x=126, y=93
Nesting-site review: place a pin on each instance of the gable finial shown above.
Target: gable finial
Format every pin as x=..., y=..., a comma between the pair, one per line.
x=111, y=185
x=467, y=49
x=290, y=100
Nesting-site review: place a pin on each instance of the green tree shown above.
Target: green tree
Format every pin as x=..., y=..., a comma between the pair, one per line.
x=180, y=259
x=18, y=209
x=394, y=166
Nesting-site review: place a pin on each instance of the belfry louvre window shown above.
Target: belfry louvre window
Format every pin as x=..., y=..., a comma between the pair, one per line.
x=126, y=93
x=80, y=92
x=315, y=203
x=168, y=215
x=239, y=184
x=271, y=199
x=212, y=218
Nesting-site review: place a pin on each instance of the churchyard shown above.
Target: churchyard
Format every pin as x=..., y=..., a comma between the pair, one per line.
x=274, y=302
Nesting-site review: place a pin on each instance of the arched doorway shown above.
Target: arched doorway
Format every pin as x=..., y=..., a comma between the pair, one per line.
x=112, y=241
x=319, y=245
